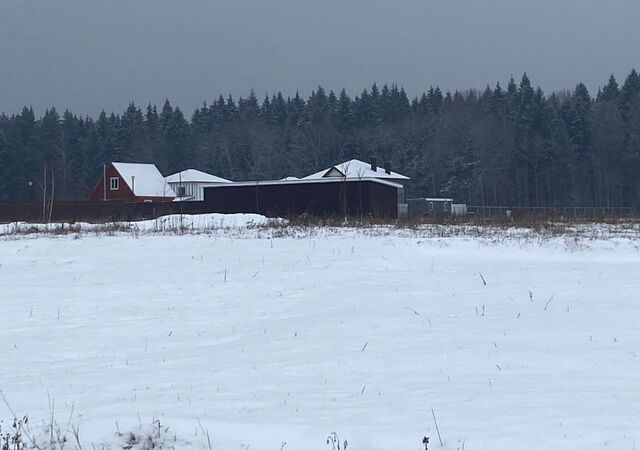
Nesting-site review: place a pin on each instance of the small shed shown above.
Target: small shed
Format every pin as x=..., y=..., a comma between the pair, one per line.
x=132, y=183
x=429, y=206
x=189, y=184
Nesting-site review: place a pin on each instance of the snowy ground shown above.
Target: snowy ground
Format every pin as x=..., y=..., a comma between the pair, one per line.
x=264, y=341
x=198, y=223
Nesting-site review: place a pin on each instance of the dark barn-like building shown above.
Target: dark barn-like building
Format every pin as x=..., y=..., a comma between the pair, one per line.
x=321, y=197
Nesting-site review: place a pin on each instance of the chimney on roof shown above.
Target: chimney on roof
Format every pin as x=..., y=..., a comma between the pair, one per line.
x=387, y=167
x=374, y=164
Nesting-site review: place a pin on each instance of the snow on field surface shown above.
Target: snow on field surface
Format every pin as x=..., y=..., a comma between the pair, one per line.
x=265, y=341
x=168, y=223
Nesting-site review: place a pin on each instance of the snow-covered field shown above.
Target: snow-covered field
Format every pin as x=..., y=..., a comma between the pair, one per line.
x=262, y=341
x=175, y=222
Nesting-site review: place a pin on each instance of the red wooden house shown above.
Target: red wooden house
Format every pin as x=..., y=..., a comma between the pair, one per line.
x=132, y=183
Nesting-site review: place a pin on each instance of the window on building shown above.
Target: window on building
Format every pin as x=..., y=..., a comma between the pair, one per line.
x=181, y=191
x=114, y=183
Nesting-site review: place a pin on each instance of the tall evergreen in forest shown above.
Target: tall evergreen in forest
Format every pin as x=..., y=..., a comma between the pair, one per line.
x=511, y=146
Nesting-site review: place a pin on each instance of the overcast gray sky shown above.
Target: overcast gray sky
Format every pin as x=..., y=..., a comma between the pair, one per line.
x=88, y=55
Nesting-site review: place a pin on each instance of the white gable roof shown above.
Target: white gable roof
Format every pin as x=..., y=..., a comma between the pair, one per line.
x=356, y=169
x=195, y=176
x=145, y=180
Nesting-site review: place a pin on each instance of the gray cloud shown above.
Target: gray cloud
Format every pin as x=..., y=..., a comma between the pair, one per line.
x=93, y=54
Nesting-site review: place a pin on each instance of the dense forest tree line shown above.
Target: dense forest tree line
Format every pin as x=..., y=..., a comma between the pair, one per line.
x=511, y=146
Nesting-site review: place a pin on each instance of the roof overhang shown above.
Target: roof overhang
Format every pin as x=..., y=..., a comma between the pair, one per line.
x=309, y=181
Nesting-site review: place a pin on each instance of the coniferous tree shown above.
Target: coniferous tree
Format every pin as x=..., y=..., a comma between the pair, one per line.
x=511, y=147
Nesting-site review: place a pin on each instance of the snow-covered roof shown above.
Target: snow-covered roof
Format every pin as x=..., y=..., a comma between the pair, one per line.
x=195, y=176
x=289, y=178
x=309, y=181
x=356, y=169
x=145, y=180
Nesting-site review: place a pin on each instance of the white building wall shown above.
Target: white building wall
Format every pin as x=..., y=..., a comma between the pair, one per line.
x=193, y=191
